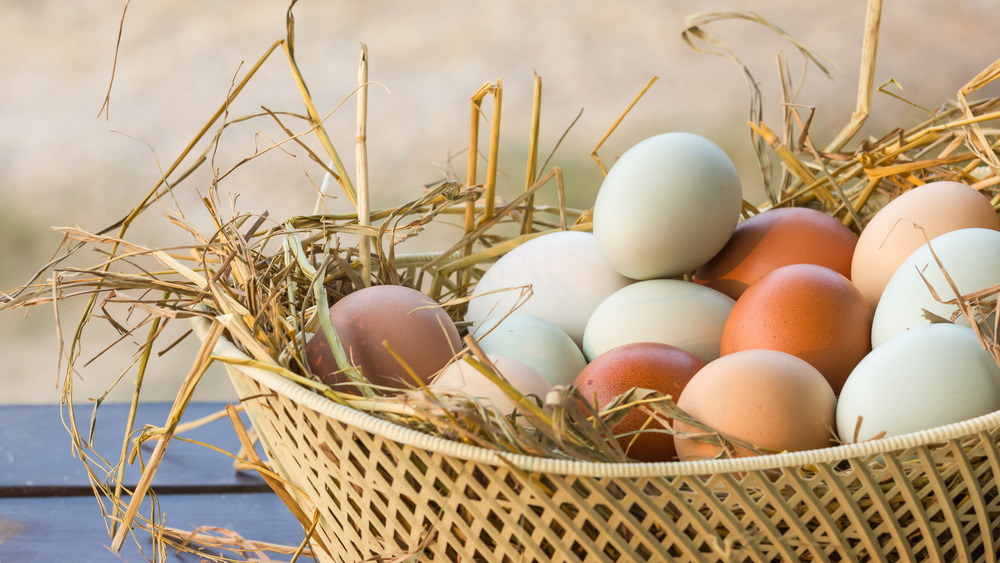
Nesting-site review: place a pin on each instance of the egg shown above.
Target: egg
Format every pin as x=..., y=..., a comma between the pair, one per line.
x=922, y=378
x=374, y=320
x=676, y=312
x=892, y=234
x=805, y=310
x=769, y=399
x=536, y=342
x=568, y=279
x=667, y=205
x=646, y=365
x=775, y=238
x=461, y=377
x=971, y=257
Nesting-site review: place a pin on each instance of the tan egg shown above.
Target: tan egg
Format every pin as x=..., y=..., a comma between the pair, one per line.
x=775, y=238
x=771, y=400
x=376, y=321
x=805, y=310
x=892, y=234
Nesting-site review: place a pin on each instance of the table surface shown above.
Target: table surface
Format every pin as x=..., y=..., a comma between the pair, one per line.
x=48, y=511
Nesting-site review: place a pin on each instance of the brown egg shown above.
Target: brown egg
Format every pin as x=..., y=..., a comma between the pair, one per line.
x=769, y=399
x=372, y=320
x=647, y=365
x=892, y=234
x=808, y=311
x=775, y=238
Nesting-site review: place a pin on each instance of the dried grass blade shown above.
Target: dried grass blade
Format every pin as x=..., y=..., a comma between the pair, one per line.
x=869, y=53
x=289, y=46
x=364, y=217
x=617, y=122
x=201, y=363
x=532, y=166
x=493, y=162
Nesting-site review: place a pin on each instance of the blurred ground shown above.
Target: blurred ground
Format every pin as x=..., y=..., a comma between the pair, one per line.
x=63, y=163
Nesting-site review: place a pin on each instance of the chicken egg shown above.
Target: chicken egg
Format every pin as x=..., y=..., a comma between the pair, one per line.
x=768, y=399
x=805, y=310
x=667, y=205
x=775, y=238
x=971, y=258
x=568, y=280
x=907, y=222
x=676, y=312
x=925, y=377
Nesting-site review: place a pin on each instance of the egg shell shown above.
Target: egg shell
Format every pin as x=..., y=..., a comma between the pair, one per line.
x=568, y=279
x=463, y=378
x=892, y=234
x=971, y=257
x=666, y=206
x=374, y=319
x=676, y=312
x=775, y=238
x=922, y=378
x=805, y=310
x=536, y=342
x=769, y=399
x=645, y=365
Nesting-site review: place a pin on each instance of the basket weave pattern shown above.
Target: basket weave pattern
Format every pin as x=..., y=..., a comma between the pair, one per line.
x=384, y=490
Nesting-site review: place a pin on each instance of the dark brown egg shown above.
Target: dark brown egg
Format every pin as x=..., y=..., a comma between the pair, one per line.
x=376, y=321
x=647, y=365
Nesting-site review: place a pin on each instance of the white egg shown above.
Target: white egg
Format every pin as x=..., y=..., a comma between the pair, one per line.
x=568, y=279
x=676, y=312
x=970, y=256
x=667, y=206
x=536, y=342
x=462, y=377
x=922, y=378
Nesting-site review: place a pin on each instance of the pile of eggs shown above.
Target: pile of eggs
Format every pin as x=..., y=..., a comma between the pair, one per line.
x=775, y=330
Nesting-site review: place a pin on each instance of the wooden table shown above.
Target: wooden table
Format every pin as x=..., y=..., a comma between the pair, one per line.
x=48, y=511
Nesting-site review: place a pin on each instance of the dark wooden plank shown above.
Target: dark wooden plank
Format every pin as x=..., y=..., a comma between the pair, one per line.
x=72, y=528
x=36, y=457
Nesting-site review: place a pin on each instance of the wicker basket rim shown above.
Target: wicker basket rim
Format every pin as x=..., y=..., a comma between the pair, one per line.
x=400, y=434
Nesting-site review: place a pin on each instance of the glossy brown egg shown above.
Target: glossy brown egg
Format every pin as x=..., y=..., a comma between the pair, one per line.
x=806, y=310
x=372, y=321
x=768, y=399
x=647, y=365
x=775, y=238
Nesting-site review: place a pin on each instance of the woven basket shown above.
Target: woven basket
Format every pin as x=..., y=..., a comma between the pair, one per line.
x=383, y=490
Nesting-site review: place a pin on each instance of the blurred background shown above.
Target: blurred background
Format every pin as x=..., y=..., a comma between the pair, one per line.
x=65, y=162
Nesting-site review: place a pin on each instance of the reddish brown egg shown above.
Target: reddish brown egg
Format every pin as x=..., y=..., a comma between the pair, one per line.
x=768, y=399
x=806, y=310
x=373, y=320
x=775, y=238
x=647, y=365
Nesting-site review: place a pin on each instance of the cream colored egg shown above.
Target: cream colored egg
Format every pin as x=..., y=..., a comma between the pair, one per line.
x=971, y=258
x=536, y=342
x=667, y=206
x=907, y=223
x=568, y=280
x=462, y=377
x=676, y=312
